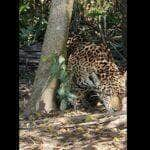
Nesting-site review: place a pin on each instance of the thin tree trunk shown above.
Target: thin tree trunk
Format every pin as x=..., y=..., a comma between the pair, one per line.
x=43, y=94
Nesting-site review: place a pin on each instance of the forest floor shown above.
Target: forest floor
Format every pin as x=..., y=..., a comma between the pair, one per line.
x=72, y=130
x=76, y=130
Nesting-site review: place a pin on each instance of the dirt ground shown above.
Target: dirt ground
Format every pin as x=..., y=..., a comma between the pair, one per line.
x=76, y=130
x=72, y=130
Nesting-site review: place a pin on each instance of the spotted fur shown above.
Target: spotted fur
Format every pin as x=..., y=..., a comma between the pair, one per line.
x=92, y=68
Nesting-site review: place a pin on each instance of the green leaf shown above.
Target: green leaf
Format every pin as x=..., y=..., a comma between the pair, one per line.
x=23, y=8
x=88, y=118
x=61, y=91
x=44, y=58
x=63, y=105
x=70, y=95
x=61, y=59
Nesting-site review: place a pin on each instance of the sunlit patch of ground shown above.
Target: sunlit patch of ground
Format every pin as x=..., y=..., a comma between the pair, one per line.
x=72, y=130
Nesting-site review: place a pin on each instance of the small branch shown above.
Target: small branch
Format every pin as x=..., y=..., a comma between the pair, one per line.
x=114, y=121
x=105, y=26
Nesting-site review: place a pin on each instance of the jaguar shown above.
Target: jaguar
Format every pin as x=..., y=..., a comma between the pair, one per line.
x=92, y=67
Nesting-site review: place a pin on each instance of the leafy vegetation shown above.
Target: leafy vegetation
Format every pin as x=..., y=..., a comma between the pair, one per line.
x=32, y=20
x=58, y=70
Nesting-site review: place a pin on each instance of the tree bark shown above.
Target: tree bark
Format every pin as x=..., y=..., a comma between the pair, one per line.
x=43, y=93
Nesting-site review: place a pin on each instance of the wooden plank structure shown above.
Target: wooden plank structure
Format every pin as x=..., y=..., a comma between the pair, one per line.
x=29, y=56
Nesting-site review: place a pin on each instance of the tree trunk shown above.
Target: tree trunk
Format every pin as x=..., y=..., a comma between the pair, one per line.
x=43, y=93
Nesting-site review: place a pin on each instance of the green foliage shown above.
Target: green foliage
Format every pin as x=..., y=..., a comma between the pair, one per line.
x=32, y=21
x=44, y=58
x=89, y=118
x=58, y=70
x=64, y=92
x=99, y=8
x=115, y=18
